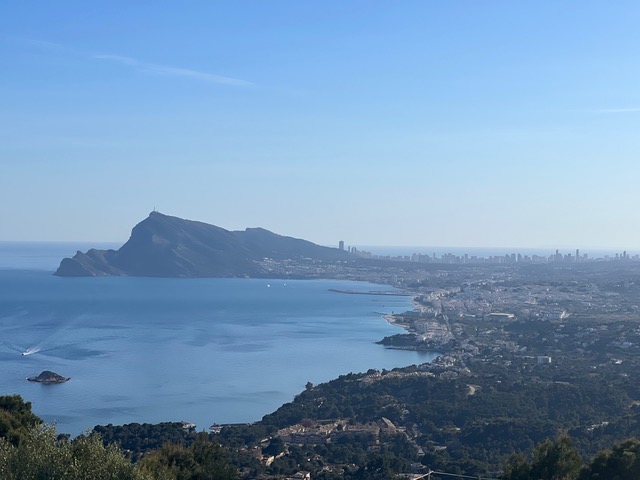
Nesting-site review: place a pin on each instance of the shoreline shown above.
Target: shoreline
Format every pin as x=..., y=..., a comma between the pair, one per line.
x=382, y=293
x=435, y=337
x=312, y=292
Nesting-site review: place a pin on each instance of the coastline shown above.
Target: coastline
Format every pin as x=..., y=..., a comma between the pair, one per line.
x=348, y=323
x=421, y=333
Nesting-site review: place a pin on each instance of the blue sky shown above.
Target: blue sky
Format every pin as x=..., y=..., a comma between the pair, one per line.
x=457, y=123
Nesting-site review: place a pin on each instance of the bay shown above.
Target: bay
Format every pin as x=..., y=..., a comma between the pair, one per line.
x=199, y=350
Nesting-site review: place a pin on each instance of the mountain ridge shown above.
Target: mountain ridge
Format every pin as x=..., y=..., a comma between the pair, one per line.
x=167, y=246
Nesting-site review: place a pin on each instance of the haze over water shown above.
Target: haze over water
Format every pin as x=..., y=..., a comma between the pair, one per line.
x=199, y=350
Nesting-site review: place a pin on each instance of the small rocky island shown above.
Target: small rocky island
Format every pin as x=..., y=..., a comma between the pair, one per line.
x=49, y=377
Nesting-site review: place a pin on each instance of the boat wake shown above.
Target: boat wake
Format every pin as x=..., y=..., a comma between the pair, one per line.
x=30, y=351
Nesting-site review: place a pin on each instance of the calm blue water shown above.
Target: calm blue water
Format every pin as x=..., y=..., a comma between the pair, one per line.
x=200, y=350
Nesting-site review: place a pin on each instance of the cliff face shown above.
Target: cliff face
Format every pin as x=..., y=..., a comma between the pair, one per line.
x=165, y=246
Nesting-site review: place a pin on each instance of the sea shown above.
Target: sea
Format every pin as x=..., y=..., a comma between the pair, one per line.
x=204, y=351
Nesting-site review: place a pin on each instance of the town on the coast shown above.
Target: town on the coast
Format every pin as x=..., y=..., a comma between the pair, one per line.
x=527, y=351
x=537, y=367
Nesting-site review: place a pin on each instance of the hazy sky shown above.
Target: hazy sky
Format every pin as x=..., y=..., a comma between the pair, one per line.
x=454, y=123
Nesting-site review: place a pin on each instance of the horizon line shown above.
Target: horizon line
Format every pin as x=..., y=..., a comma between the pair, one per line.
x=385, y=246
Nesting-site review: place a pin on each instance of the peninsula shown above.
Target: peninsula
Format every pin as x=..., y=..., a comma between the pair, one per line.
x=166, y=246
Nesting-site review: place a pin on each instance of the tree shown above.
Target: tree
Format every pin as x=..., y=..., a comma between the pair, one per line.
x=203, y=460
x=39, y=455
x=622, y=462
x=517, y=468
x=557, y=460
x=16, y=418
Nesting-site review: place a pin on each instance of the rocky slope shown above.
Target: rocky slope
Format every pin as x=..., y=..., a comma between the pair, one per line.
x=165, y=246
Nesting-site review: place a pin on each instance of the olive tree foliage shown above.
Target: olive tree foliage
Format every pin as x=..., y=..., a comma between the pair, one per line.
x=41, y=456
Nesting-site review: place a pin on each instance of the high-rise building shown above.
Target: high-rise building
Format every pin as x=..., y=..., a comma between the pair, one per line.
x=341, y=245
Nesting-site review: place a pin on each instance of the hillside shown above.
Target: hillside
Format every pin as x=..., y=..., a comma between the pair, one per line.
x=166, y=246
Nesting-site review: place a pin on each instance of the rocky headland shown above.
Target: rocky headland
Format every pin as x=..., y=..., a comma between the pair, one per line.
x=166, y=246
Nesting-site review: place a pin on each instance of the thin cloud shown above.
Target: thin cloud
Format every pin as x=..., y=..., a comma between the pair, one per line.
x=32, y=42
x=619, y=110
x=174, y=71
x=156, y=69
x=119, y=59
x=42, y=43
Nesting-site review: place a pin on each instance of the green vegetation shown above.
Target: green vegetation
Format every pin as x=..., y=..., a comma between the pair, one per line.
x=40, y=455
x=620, y=463
x=560, y=460
x=137, y=439
x=203, y=460
x=557, y=460
x=472, y=422
x=31, y=450
x=355, y=450
x=16, y=418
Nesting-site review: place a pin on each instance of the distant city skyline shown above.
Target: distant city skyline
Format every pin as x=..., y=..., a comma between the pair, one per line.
x=485, y=251
x=505, y=124
x=490, y=255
